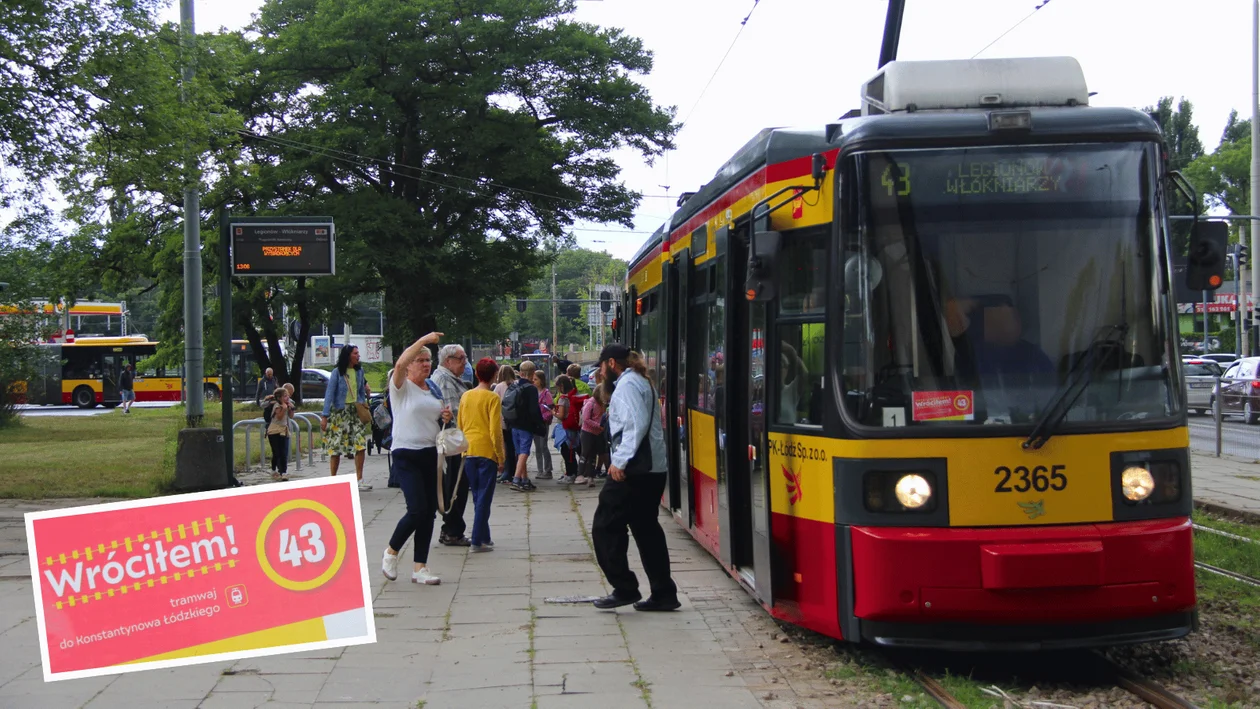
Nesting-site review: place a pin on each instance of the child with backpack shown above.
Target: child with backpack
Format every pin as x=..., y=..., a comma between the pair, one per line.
x=593, y=412
x=524, y=420
x=568, y=411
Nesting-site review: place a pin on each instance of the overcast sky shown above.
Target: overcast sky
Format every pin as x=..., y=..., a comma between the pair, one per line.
x=801, y=63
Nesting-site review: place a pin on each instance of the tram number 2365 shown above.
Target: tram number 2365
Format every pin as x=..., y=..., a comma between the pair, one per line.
x=1039, y=478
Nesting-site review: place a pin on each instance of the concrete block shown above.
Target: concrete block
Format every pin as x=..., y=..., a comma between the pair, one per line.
x=199, y=461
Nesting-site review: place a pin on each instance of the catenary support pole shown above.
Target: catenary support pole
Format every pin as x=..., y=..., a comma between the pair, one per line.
x=1255, y=148
x=225, y=308
x=194, y=353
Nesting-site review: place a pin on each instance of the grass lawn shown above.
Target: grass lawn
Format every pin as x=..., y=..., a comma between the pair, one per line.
x=107, y=455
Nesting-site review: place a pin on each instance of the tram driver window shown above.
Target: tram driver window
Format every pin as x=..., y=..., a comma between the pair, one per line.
x=802, y=272
x=800, y=374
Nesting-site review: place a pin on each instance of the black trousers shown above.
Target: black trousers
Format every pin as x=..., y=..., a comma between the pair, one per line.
x=453, y=524
x=632, y=505
x=417, y=472
x=279, y=452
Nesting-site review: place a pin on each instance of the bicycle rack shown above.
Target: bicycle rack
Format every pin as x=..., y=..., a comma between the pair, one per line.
x=262, y=438
x=312, y=422
x=295, y=452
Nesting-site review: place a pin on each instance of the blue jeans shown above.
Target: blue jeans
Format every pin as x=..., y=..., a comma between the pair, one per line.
x=480, y=473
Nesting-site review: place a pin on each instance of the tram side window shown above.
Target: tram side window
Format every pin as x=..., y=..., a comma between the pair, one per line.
x=700, y=361
x=800, y=374
x=802, y=272
x=651, y=334
x=798, y=365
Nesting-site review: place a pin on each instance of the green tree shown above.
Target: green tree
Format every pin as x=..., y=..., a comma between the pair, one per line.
x=1224, y=177
x=22, y=328
x=1181, y=137
x=577, y=272
x=448, y=139
x=45, y=96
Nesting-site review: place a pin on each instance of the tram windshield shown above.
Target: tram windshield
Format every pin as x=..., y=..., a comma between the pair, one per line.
x=988, y=285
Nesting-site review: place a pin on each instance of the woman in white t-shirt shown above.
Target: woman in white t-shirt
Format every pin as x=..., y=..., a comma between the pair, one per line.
x=419, y=412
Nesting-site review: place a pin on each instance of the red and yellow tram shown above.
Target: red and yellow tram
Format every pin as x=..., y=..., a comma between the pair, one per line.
x=919, y=368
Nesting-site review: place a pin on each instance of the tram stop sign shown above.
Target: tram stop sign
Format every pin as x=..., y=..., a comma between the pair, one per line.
x=283, y=246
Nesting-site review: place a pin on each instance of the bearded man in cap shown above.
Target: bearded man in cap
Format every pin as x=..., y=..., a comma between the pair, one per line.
x=631, y=498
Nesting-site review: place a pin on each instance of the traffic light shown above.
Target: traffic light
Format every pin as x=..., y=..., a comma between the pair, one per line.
x=1205, y=264
x=520, y=305
x=1242, y=255
x=605, y=301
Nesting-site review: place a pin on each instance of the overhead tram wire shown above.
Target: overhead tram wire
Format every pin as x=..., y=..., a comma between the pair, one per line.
x=1012, y=28
x=742, y=25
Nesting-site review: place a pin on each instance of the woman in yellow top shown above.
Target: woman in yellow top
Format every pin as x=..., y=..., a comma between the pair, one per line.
x=481, y=420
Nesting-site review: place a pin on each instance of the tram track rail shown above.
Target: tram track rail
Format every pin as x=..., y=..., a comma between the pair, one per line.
x=1093, y=663
x=1241, y=578
x=1219, y=571
x=1150, y=691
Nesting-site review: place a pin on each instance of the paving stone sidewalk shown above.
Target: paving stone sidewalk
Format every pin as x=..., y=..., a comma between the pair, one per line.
x=1227, y=483
x=485, y=637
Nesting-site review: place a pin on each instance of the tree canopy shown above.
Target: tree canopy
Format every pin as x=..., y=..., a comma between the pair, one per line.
x=447, y=140
x=46, y=100
x=1224, y=177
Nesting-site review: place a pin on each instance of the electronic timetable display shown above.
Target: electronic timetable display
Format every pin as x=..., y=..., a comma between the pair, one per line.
x=283, y=249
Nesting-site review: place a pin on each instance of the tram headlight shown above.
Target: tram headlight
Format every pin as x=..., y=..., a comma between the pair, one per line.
x=913, y=491
x=1149, y=481
x=1136, y=483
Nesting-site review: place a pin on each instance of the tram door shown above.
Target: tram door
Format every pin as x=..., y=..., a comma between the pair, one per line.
x=680, y=498
x=745, y=447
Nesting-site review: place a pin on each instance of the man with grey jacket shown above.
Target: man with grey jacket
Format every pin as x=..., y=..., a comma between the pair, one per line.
x=631, y=497
x=449, y=377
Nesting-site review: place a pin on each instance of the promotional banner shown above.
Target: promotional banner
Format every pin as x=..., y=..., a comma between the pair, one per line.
x=199, y=578
x=943, y=406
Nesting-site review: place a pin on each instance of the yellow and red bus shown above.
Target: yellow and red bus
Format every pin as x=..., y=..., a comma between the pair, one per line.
x=86, y=373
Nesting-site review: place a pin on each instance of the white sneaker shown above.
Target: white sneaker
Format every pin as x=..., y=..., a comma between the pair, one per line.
x=478, y=548
x=426, y=577
x=364, y=487
x=389, y=565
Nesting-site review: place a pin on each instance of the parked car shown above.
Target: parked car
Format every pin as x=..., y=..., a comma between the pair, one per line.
x=1201, y=377
x=1240, y=390
x=314, y=384
x=1223, y=358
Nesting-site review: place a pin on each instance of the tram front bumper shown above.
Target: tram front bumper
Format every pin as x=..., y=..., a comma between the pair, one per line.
x=1061, y=586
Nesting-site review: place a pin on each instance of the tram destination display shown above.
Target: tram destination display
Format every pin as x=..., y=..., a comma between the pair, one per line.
x=1027, y=175
x=299, y=248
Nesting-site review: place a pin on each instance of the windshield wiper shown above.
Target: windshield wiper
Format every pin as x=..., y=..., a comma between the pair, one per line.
x=1079, y=378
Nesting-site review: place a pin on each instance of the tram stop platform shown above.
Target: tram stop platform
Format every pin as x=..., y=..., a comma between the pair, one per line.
x=485, y=638
x=1228, y=485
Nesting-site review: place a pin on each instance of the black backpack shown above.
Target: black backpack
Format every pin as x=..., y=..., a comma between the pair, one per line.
x=510, y=397
x=268, y=411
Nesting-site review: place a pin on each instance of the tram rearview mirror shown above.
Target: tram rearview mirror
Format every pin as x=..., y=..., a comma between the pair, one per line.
x=759, y=284
x=1205, y=263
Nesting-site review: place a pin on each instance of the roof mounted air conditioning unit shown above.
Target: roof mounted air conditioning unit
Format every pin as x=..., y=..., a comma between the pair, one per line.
x=971, y=84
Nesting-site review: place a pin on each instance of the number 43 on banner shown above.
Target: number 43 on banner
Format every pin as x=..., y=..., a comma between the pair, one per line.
x=289, y=546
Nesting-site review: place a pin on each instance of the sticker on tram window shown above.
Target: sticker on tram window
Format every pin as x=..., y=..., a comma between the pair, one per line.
x=943, y=406
x=1040, y=478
